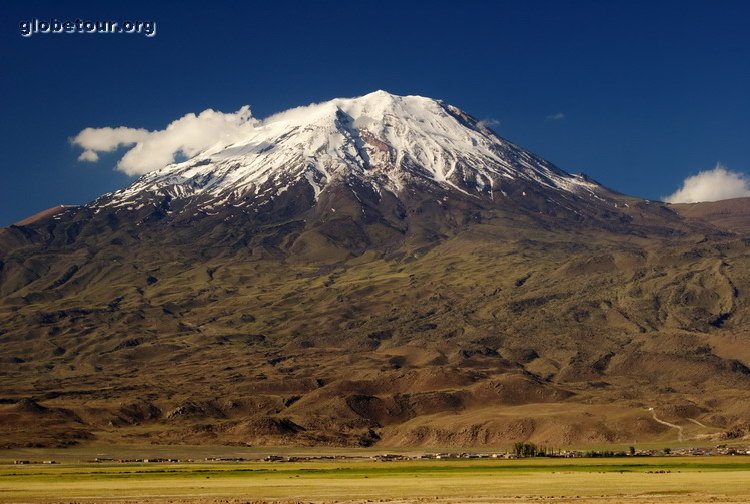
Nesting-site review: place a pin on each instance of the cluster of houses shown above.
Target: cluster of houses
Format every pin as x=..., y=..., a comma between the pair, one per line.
x=715, y=451
x=390, y=457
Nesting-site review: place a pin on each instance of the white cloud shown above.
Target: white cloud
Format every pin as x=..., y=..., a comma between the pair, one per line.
x=711, y=185
x=488, y=123
x=150, y=150
x=555, y=117
x=89, y=155
x=95, y=140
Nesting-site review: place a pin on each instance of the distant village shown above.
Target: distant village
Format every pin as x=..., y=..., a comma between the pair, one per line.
x=520, y=451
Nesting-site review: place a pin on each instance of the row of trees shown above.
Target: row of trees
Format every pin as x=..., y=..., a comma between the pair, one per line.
x=531, y=450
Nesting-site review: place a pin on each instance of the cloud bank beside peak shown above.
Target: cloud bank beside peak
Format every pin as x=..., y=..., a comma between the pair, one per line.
x=711, y=185
x=151, y=150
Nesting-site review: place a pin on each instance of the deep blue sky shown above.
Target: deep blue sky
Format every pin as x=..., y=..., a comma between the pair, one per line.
x=651, y=91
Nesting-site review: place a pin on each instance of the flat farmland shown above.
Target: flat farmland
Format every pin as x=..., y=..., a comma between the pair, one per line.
x=643, y=480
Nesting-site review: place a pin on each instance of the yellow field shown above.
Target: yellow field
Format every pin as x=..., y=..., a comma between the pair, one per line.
x=663, y=480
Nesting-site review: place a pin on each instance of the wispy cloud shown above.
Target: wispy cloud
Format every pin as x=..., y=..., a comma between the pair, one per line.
x=711, y=185
x=489, y=123
x=150, y=150
x=555, y=117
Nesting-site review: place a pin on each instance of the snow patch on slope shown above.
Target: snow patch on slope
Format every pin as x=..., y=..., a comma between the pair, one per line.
x=383, y=140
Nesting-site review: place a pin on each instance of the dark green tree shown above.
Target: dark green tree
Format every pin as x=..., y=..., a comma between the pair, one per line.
x=526, y=449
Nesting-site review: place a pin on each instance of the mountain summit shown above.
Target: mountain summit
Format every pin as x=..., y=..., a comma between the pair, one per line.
x=379, y=141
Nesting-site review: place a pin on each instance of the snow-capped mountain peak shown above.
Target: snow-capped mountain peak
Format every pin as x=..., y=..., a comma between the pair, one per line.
x=382, y=140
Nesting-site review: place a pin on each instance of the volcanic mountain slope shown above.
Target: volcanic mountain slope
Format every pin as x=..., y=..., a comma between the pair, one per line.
x=383, y=270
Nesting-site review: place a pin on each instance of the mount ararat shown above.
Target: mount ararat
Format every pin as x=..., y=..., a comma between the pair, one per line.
x=377, y=270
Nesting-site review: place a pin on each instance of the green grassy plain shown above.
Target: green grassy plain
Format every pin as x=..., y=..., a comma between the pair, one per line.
x=643, y=480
